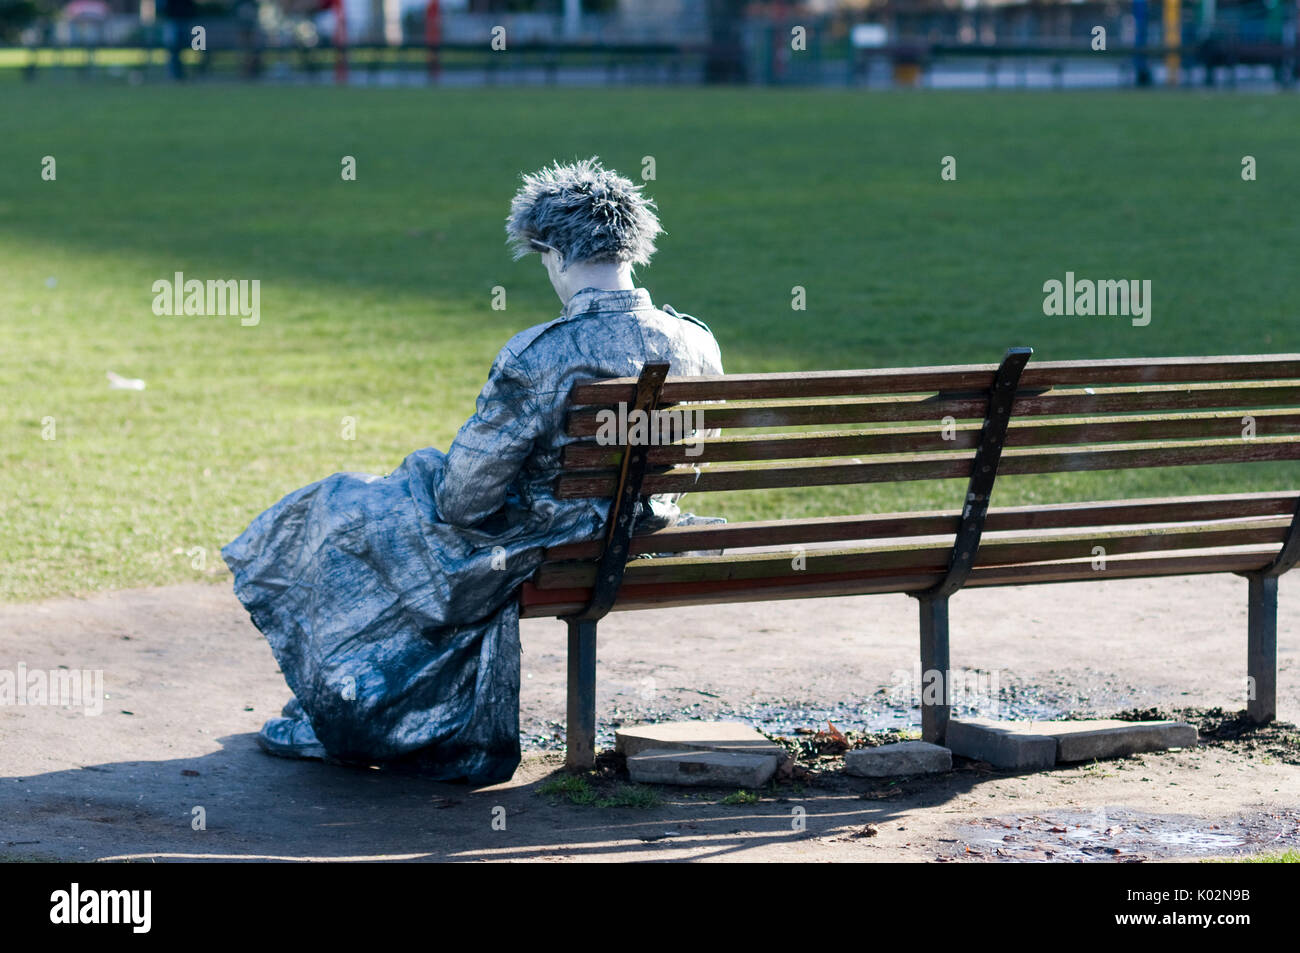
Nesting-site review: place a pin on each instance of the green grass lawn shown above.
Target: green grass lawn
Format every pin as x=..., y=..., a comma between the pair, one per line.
x=376, y=294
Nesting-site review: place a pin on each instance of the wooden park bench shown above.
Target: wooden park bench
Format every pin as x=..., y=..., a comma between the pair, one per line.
x=927, y=423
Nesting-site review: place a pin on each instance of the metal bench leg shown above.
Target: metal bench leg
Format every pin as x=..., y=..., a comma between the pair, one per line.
x=934, y=668
x=580, y=729
x=1261, y=649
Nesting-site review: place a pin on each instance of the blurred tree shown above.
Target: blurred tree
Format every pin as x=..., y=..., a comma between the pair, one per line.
x=725, y=62
x=17, y=15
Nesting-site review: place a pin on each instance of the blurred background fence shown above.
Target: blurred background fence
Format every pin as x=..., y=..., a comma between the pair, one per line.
x=881, y=43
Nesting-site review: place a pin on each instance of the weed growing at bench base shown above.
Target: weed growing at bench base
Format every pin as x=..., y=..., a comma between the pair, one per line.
x=582, y=791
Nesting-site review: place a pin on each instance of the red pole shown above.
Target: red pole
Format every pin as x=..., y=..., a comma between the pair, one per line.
x=340, y=43
x=780, y=39
x=433, y=37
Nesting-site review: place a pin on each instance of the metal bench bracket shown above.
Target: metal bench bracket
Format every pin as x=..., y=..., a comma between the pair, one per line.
x=935, y=674
x=984, y=472
x=1289, y=555
x=622, y=510
x=580, y=727
x=1261, y=627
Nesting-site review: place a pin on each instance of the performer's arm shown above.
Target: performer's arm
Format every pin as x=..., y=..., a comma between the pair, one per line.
x=491, y=447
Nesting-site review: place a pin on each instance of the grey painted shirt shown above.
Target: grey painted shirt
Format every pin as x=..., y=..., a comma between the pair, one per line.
x=510, y=449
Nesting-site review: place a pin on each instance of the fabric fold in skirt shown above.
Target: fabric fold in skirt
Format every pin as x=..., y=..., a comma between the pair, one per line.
x=399, y=634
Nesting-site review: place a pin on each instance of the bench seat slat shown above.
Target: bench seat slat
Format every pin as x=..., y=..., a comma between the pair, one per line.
x=959, y=377
x=541, y=603
x=923, y=557
x=1230, y=506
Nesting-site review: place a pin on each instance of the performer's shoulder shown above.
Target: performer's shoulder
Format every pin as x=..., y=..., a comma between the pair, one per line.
x=669, y=309
x=527, y=338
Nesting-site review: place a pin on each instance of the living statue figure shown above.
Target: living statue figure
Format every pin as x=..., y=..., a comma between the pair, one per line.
x=391, y=602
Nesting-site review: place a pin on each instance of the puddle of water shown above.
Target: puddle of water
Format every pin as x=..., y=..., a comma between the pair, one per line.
x=1201, y=841
x=1120, y=835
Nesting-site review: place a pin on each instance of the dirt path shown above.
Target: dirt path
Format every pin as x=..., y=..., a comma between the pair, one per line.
x=190, y=681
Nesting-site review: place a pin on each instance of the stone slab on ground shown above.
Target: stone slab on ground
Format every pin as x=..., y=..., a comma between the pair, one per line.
x=733, y=736
x=1025, y=744
x=1107, y=738
x=905, y=757
x=1008, y=745
x=712, y=768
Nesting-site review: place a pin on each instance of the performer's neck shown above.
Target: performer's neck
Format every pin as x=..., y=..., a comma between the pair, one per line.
x=604, y=276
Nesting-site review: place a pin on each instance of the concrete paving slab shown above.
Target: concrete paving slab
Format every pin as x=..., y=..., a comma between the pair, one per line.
x=711, y=768
x=1107, y=738
x=1022, y=744
x=1008, y=745
x=733, y=736
x=903, y=758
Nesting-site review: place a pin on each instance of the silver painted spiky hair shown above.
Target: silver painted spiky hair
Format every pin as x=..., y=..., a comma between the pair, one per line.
x=584, y=211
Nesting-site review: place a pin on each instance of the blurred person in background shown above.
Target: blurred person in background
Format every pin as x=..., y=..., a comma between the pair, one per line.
x=177, y=19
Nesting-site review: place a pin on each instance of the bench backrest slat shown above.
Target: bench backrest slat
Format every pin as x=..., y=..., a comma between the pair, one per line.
x=1143, y=414
x=1038, y=374
x=587, y=421
x=590, y=455
x=945, y=466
